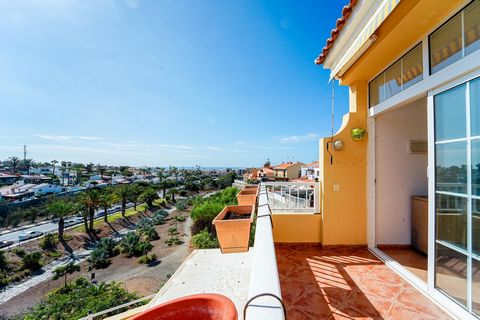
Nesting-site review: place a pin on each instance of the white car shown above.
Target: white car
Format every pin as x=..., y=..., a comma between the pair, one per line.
x=29, y=235
x=69, y=223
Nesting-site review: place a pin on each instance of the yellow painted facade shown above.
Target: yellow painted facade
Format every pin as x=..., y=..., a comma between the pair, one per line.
x=297, y=228
x=344, y=183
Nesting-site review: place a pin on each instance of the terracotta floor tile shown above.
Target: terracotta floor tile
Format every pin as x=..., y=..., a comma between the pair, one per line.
x=346, y=284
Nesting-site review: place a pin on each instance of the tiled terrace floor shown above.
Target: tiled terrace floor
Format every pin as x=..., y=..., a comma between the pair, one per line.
x=346, y=284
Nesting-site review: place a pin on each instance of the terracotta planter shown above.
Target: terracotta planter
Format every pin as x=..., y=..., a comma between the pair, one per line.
x=248, y=196
x=233, y=225
x=207, y=306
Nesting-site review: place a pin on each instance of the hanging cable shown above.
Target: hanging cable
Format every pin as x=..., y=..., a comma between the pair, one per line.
x=333, y=121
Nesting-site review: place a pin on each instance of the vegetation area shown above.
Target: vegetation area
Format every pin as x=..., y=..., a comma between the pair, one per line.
x=75, y=300
x=204, y=211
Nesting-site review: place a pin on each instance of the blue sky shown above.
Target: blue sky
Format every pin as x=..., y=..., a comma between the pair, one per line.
x=136, y=82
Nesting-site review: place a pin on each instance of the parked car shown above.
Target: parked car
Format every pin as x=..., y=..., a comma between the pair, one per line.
x=29, y=235
x=5, y=243
x=69, y=223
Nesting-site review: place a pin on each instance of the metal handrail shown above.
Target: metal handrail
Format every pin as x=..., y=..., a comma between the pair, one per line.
x=93, y=316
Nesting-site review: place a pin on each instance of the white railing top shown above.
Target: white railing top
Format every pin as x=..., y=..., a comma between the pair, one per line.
x=290, y=183
x=264, y=275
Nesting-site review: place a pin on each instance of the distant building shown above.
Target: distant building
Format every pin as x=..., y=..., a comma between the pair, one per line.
x=310, y=171
x=46, y=189
x=287, y=170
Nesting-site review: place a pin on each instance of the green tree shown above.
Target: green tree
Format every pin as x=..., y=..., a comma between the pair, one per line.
x=54, y=164
x=3, y=260
x=162, y=176
x=107, y=199
x=123, y=193
x=32, y=261
x=60, y=209
x=149, y=195
x=90, y=199
x=135, y=191
x=64, y=270
x=28, y=164
x=172, y=192
x=14, y=162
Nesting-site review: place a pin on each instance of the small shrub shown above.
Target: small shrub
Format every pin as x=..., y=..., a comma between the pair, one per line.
x=149, y=232
x=204, y=240
x=158, y=221
x=32, y=261
x=147, y=258
x=172, y=230
x=4, y=280
x=160, y=213
x=132, y=245
x=179, y=218
x=48, y=242
x=99, y=257
x=19, y=252
x=109, y=245
x=173, y=240
x=53, y=254
x=182, y=205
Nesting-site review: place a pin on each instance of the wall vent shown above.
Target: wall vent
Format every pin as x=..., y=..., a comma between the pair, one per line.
x=417, y=147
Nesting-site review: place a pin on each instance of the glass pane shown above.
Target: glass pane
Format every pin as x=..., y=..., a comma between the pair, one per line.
x=376, y=91
x=451, y=220
x=451, y=167
x=472, y=27
x=476, y=167
x=412, y=67
x=450, y=117
x=476, y=286
x=393, y=80
x=446, y=44
x=476, y=226
x=475, y=107
x=451, y=273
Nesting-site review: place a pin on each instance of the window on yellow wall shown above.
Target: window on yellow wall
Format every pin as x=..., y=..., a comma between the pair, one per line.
x=456, y=38
x=402, y=74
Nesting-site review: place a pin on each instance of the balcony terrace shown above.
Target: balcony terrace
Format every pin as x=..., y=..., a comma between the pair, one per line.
x=312, y=282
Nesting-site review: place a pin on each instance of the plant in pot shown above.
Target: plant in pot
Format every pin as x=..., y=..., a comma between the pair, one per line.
x=247, y=196
x=233, y=225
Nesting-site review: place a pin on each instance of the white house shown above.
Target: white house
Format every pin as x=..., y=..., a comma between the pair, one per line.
x=46, y=188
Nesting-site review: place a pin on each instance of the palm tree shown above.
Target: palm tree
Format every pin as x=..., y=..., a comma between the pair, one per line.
x=174, y=172
x=91, y=201
x=28, y=163
x=14, y=161
x=78, y=168
x=107, y=199
x=63, y=168
x=54, y=163
x=123, y=192
x=149, y=195
x=162, y=175
x=61, y=209
x=173, y=192
x=62, y=271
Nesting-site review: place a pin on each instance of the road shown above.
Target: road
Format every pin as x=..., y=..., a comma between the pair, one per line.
x=51, y=226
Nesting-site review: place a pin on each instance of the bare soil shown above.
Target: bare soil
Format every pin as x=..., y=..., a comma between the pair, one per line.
x=140, y=278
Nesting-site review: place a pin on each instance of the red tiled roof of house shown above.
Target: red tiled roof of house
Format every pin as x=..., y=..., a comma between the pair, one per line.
x=285, y=165
x=346, y=12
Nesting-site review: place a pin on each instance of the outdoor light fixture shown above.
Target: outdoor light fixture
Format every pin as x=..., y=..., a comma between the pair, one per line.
x=338, y=145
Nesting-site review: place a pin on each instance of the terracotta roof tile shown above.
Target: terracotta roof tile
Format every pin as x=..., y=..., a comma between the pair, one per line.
x=346, y=12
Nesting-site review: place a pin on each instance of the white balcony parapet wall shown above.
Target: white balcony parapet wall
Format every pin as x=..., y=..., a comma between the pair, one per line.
x=293, y=197
x=264, y=275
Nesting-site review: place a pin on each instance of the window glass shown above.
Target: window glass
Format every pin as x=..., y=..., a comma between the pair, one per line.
x=412, y=67
x=376, y=90
x=451, y=273
x=451, y=220
x=475, y=167
x=451, y=167
x=446, y=44
x=450, y=114
x=476, y=286
x=475, y=107
x=476, y=227
x=472, y=27
x=393, y=79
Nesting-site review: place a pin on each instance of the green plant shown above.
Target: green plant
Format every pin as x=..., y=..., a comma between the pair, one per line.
x=4, y=280
x=32, y=261
x=108, y=245
x=179, y=218
x=172, y=231
x=48, y=242
x=147, y=258
x=133, y=245
x=149, y=232
x=80, y=297
x=204, y=240
x=62, y=271
x=173, y=240
x=53, y=254
x=19, y=252
x=99, y=257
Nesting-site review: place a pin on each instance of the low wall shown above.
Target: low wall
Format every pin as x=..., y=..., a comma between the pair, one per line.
x=297, y=228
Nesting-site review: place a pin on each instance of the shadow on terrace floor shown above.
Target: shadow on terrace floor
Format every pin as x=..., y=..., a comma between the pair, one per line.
x=346, y=284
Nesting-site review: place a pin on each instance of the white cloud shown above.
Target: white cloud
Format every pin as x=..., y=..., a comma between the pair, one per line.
x=214, y=148
x=54, y=137
x=88, y=138
x=299, y=138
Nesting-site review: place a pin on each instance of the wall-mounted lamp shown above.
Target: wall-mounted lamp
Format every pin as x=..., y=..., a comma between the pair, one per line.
x=338, y=145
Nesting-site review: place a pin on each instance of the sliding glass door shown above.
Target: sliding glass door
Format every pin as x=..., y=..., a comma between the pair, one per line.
x=457, y=193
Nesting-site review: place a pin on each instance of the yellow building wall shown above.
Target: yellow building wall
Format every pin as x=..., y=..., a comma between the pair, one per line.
x=344, y=211
x=297, y=228
x=294, y=170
